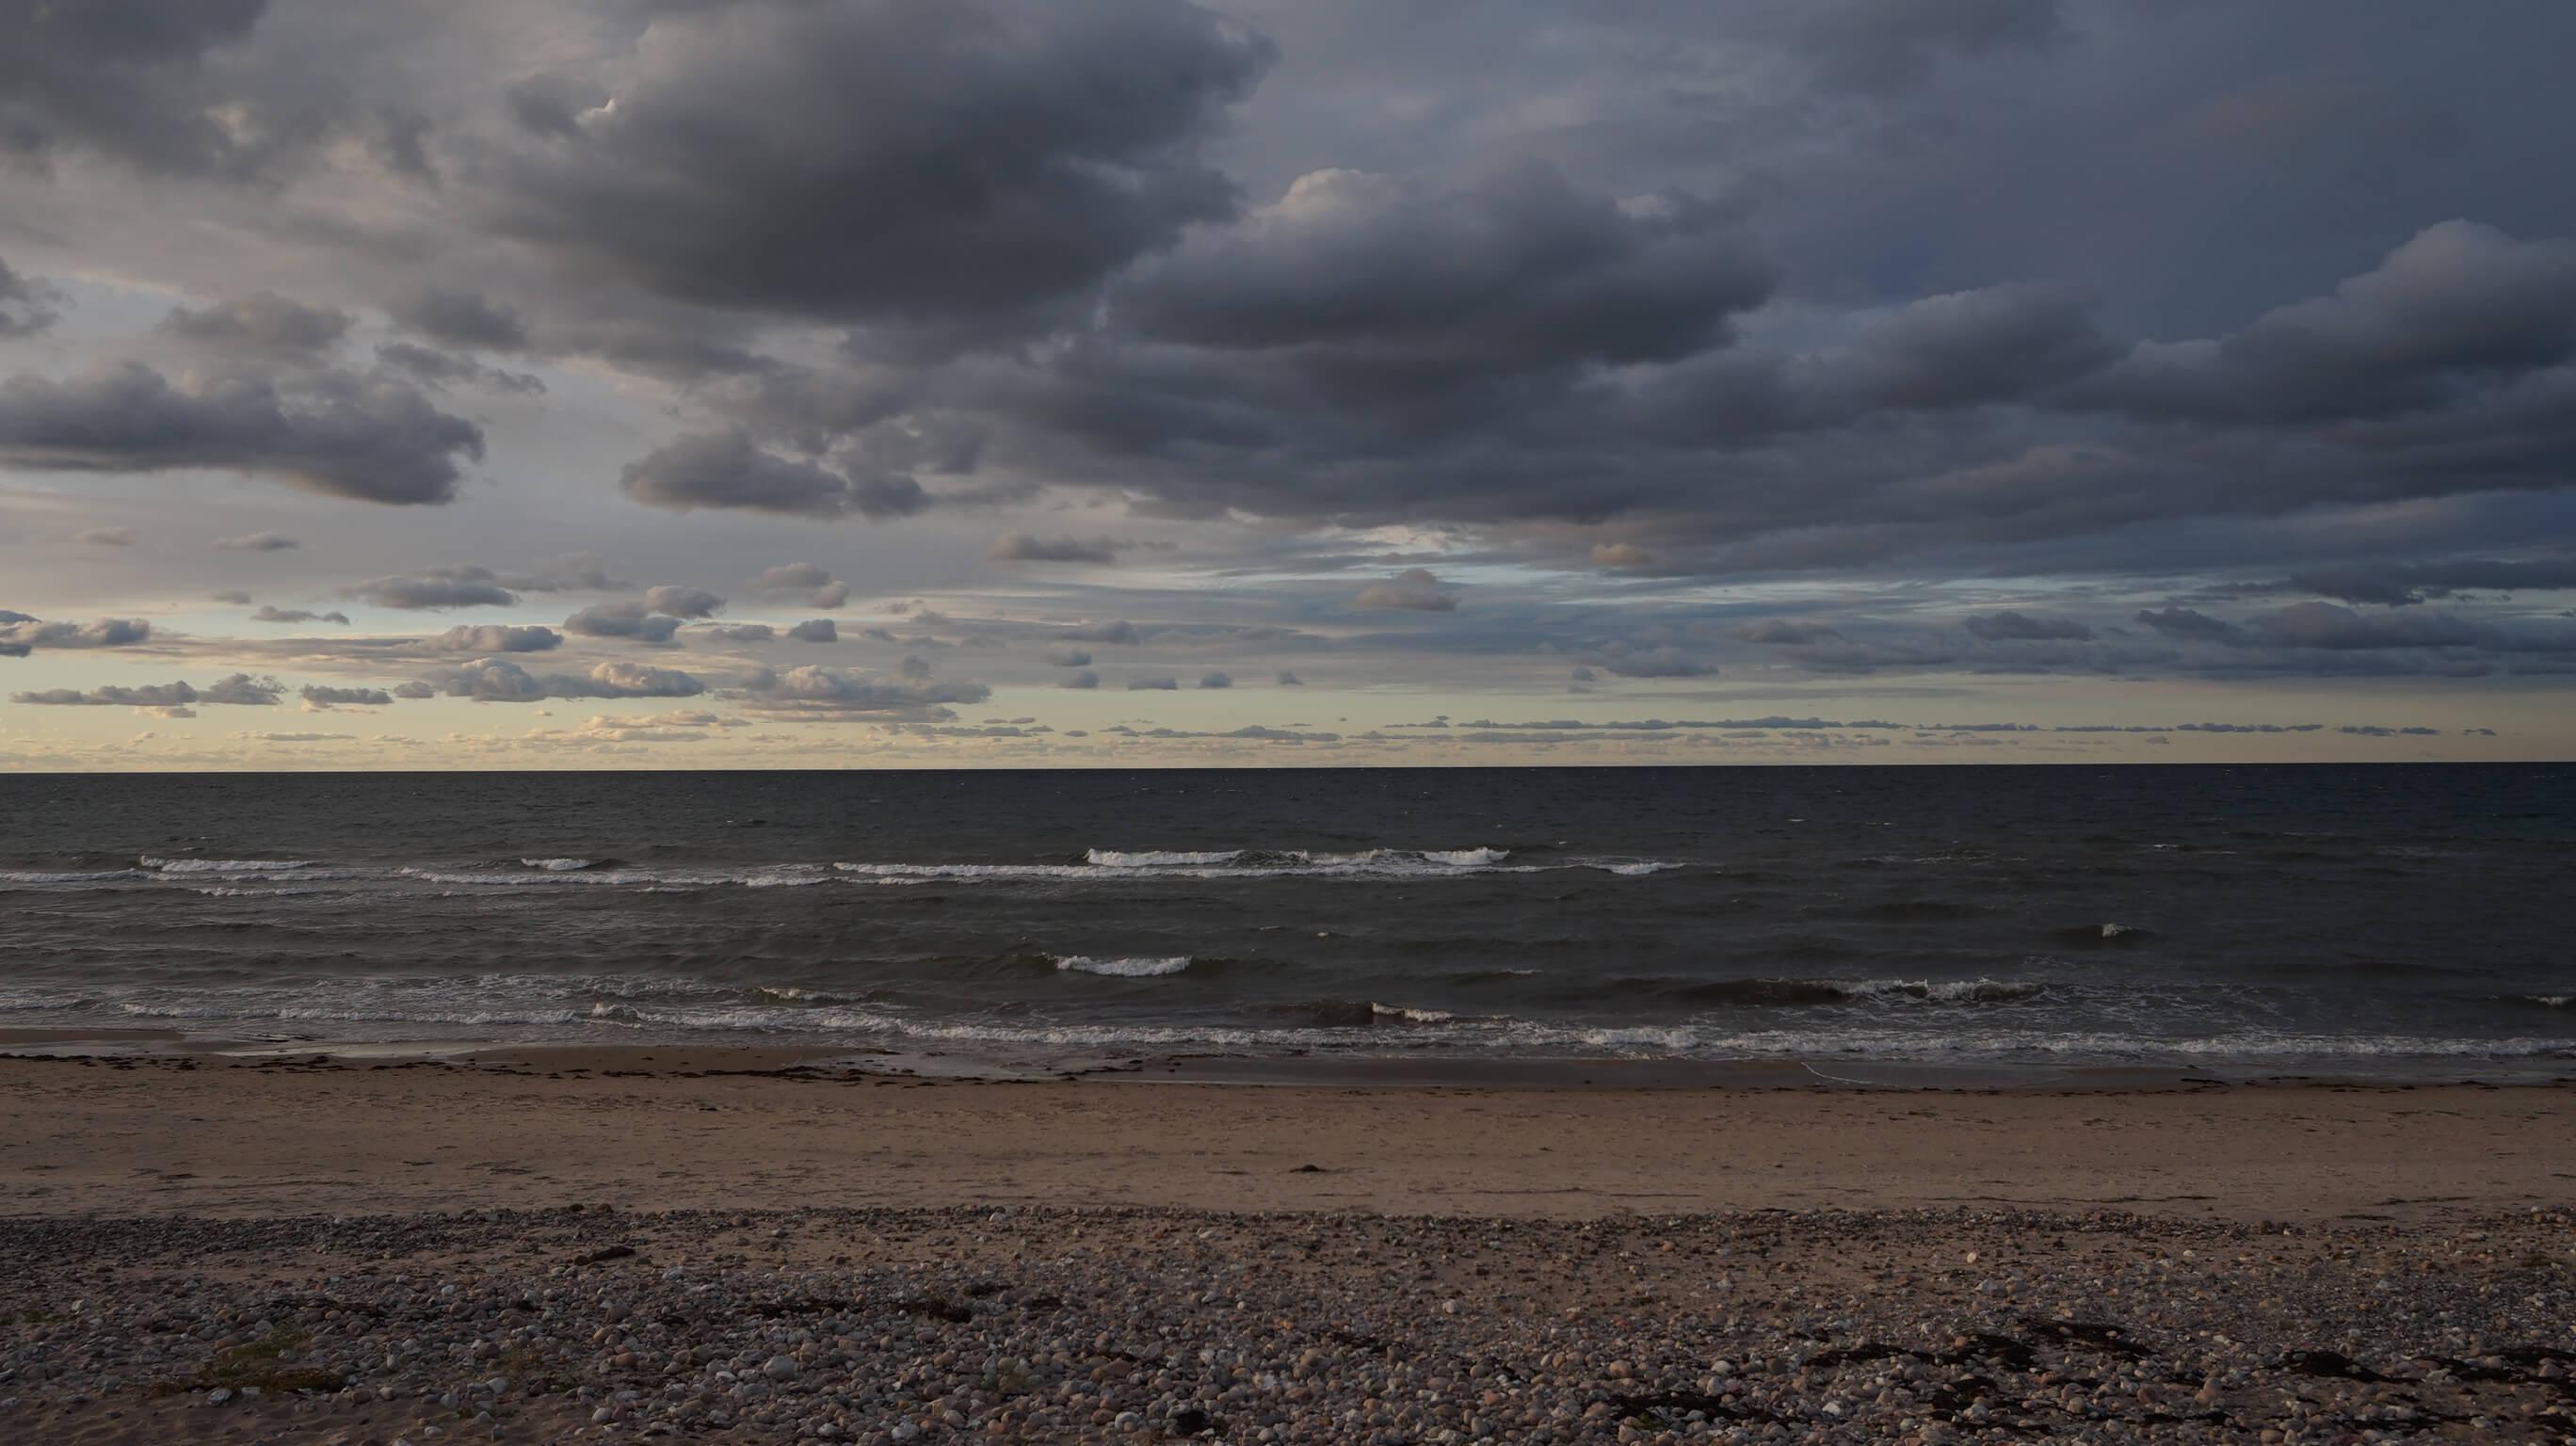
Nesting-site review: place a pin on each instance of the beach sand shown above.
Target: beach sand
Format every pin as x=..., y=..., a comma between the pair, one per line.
x=1129, y=1257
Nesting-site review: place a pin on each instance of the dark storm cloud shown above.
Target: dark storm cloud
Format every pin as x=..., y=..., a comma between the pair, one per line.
x=1883, y=45
x=727, y=470
x=2186, y=622
x=2013, y=625
x=241, y=689
x=1216, y=680
x=465, y=319
x=628, y=619
x=122, y=78
x=2457, y=308
x=815, y=630
x=257, y=542
x=437, y=369
x=27, y=305
x=943, y=162
x=342, y=436
x=1375, y=286
x=1027, y=547
x=297, y=615
x=264, y=322
x=2403, y=584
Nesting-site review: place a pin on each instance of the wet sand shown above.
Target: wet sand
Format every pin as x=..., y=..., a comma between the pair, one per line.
x=648, y=1128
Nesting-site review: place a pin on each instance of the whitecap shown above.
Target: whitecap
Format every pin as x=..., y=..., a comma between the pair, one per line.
x=1129, y=968
x=1157, y=858
x=225, y=866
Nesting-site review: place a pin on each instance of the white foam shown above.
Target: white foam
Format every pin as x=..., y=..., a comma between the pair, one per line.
x=1411, y=1016
x=1132, y=968
x=555, y=866
x=2114, y=931
x=1638, y=870
x=1159, y=858
x=1946, y=991
x=1466, y=857
x=99, y=877
x=225, y=866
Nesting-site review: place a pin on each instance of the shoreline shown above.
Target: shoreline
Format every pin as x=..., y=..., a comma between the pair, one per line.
x=659, y=1128
x=1427, y=1069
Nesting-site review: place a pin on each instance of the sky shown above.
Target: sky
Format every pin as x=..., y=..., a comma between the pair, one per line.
x=898, y=383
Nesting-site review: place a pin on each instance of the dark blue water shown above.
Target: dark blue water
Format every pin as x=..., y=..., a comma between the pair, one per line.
x=2219, y=914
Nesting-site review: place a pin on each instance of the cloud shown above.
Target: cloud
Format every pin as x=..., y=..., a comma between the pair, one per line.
x=498, y=680
x=131, y=86
x=2186, y=622
x=1620, y=554
x=1216, y=680
x=463, y=318
x=1083, y=680
x=1661, y=661
x=1069, y=657
x=327, y=432
x=1026, y=547
x=1379, y=289
x=438, y=588
x=683, y=602
x=2457, y=300
x=297, y=615
x=1784, y=632
x=1412, y=590
x=725, y=470
x=1116, y=630
x=240, y=690
x=321, y=697
x=439, y=370
x=628, y=619
x=816, y=585
x=229, y=595
x=27, y=305
x=495, y=638
x=899, y=162
x=105, y=537
x=261, y=322
x=815, y=630
x=20, y=634
x=1290, y=680
x=822, y=692
x=257, y=542
x=2403, y=584
x=2017, y=626
x=1153, y=683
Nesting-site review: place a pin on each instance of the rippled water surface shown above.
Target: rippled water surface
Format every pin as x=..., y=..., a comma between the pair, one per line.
x=2221, y=914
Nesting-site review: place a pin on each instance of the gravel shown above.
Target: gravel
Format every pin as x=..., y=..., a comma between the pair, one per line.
x=1139, y=1326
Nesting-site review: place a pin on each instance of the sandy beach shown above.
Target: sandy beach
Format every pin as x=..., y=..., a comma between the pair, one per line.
x=658, y=1243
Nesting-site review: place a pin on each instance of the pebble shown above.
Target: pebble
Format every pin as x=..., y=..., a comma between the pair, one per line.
x=882, y=1327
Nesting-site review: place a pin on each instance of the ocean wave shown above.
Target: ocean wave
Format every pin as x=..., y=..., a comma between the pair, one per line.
x=557, y=866
x=98, y=876
x=1812, y=992
x=225, y=866
x=1130, y=968
x=2103, y=936
x=1351, y=1026
x=1159, y=858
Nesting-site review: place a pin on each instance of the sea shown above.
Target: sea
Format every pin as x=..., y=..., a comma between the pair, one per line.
x=2380, y=918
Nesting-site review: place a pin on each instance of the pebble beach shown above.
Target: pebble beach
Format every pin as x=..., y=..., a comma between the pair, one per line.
x=598, y=1250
